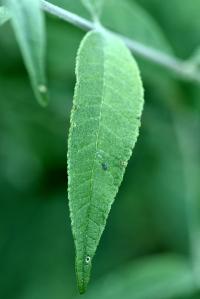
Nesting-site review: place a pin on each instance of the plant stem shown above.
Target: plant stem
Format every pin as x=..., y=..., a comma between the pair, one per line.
x=184, y=69
x=67, y=16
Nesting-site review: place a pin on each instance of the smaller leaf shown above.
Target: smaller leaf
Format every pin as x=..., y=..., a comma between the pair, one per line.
x=160, y=277
x=28, y=23
x=4, y=15
x=94, y=6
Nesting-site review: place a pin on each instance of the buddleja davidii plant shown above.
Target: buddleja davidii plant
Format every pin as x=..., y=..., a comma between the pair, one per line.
x=105, y=120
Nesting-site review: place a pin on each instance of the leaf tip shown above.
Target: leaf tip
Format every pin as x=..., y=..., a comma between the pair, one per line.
x=42, y=88
x=82, y=287
x=43, y=95
x=83, y=269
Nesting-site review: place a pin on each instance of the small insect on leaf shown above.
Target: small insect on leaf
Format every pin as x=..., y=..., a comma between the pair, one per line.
x=28, y=24
x=4, y=15
x=109, y=97
x=104, y=166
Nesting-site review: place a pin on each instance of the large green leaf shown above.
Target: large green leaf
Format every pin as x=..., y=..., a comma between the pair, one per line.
x=106, y=114
x=4, y=15
x=28, y=24
x=159, y=277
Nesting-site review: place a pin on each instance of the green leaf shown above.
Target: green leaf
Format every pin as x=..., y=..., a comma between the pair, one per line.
x=28, y=23
x=105, y=120
x=4, y=15
x=187, y=131
x=94, y=6
x=160, y=277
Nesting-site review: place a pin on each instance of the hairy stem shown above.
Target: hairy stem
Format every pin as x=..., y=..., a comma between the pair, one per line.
x=184, y=69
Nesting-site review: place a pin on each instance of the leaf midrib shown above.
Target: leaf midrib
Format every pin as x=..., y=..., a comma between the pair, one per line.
x=93, y=166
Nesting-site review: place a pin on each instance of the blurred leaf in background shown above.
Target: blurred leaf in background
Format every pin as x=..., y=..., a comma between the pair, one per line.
x=152, y=232
x=4, y=15
x=32, y=42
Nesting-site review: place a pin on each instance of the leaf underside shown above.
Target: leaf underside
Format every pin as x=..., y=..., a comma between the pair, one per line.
x=105, y=120
x=28, y=24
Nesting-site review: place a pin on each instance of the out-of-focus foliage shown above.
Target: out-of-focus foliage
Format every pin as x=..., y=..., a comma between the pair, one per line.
x=94, y=7
x=157, y=208
x=4, y=15
x=31, y=40
x=147, y=278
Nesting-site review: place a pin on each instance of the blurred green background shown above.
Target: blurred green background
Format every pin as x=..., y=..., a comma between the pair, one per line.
x=151, y=246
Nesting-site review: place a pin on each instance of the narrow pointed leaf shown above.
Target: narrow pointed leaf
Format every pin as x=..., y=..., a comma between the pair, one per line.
x=4, y=15
x=105, y=120
x=28, y=23
x=94, y=6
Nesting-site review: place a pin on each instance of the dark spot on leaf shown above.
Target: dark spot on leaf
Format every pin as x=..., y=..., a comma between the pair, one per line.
x=87, y=259
x=104, y=166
